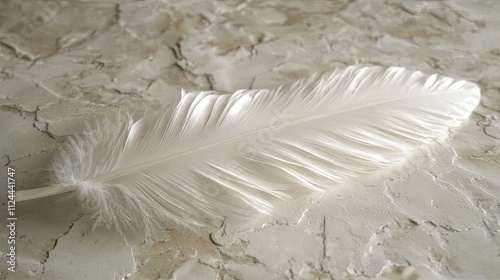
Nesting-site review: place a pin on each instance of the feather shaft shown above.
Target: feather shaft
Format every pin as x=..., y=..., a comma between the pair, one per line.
x=25, y=195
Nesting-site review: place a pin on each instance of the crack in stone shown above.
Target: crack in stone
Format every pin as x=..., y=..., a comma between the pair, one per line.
x=321, y=273
x=19, y=54
x=437, y=227
x=401, y=7
x=15, y=107
x=150, y=83
x=485, y=131
x=222, y=271
x=222, y=230
x=435, y=63
x=117, y=15
x=252, y=82
x=491, y=231
x=291, y=275
x=8, y=160
x=56, y=241
x=443, y=226
x=463, y=16
x=46, y=128
x=178, y=54
x=242, y=259
x=211, y=81
x=208, y=77
x=31, y=154
x=177, y=51
x=323, y=236
x=439, y=17
x=473, y=201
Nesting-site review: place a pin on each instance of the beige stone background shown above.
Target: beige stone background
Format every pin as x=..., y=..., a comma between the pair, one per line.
x=434, y=217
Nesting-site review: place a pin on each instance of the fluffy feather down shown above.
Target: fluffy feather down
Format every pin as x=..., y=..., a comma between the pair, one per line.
x=215, y=155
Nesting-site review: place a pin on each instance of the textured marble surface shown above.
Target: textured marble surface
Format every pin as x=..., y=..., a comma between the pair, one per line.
x=434, y=217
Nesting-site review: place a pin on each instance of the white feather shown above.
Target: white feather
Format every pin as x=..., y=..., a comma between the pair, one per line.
x=214, y=155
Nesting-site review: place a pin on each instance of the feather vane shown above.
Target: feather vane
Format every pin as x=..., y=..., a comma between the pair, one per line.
x=213, y=155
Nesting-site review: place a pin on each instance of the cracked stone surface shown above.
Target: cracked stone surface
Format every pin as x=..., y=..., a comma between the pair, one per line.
x=437, y=216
